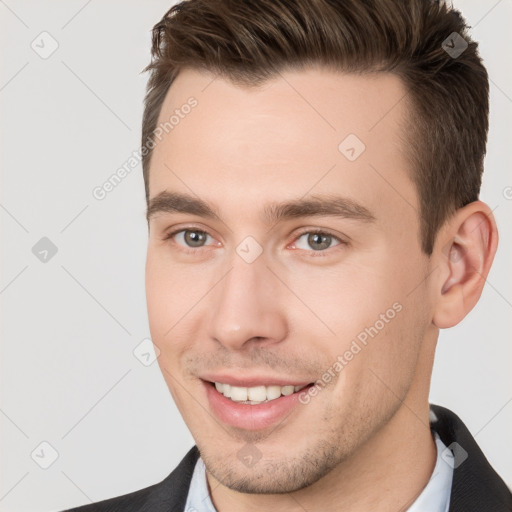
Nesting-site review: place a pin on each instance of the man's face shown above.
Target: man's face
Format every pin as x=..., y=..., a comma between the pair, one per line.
x=252, y=300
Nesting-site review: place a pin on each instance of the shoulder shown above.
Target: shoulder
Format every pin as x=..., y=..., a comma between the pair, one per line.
x=169, y=495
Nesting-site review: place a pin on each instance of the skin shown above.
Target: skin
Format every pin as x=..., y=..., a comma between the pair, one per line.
x=364, y=441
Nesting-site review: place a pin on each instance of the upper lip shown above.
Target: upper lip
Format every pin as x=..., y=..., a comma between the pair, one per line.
x=256, y=380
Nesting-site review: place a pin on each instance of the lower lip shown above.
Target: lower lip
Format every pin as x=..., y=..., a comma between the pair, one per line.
x=247, y=416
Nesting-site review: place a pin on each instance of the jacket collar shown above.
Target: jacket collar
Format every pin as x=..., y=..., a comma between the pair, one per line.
x=476, y=487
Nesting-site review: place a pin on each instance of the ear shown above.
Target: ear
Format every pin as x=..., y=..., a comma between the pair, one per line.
x=464, y=251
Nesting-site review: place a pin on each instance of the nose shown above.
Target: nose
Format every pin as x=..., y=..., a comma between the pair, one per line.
x=247, y=307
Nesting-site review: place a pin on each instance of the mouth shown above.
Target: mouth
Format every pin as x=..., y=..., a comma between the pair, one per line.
x=256, y=407
x=256, y=395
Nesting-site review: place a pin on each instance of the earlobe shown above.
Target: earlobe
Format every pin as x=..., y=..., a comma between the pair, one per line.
x=465, y=251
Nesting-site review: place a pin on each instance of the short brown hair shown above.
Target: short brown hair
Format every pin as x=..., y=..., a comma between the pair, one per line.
x=249, y=42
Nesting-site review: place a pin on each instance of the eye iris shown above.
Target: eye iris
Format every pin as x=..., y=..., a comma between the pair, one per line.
x=195, y=238
x=318, y=238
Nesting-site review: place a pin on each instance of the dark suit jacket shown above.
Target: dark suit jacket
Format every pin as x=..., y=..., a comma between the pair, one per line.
x=476, y=487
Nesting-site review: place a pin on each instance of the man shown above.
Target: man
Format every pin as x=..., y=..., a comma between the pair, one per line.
x=312, y=172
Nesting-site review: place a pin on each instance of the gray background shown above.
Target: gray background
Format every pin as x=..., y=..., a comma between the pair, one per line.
x=69, y=326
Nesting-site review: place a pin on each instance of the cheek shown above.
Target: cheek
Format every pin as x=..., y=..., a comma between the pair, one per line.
x=392, y=354
x=169, y=289
x=166, y=303
x=374, y=321
x=158, y=294
x=342, y=301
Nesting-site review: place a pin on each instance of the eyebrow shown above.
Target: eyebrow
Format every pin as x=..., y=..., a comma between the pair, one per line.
x=313, y=206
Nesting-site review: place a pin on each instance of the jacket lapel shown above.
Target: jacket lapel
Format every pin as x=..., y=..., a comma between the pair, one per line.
x=476, y=486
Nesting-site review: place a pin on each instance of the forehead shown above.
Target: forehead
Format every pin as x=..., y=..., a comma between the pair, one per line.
x=310, y=131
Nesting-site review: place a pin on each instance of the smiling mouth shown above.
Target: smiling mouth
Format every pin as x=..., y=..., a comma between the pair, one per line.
x=256, y=395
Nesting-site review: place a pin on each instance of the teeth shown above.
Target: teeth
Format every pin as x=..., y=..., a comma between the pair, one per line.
x=273, y=392
x=238, y=394
x=256, y=394
x=287, y=390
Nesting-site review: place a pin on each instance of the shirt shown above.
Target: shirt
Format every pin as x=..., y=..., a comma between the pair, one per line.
x=435, y=496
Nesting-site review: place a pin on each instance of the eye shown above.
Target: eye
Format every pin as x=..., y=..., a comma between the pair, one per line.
x=317, y=240
x=189, y=238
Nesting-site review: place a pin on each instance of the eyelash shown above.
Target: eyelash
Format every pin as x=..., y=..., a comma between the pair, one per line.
x=315, y=254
